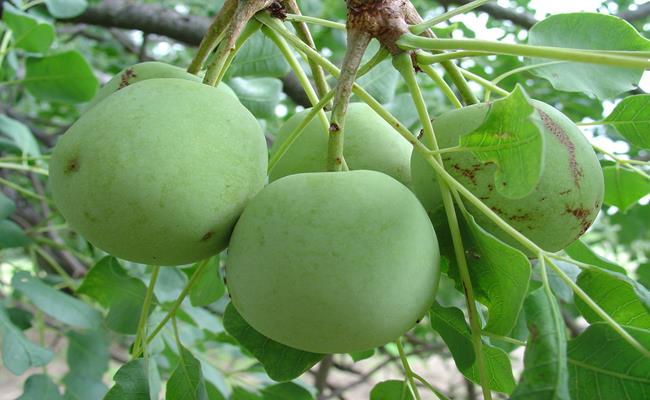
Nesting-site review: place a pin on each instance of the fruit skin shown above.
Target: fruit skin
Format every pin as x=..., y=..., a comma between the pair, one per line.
x=144, y=71
x=560, y=208
x=159, y=172
x=333, y=262
x=370, y=143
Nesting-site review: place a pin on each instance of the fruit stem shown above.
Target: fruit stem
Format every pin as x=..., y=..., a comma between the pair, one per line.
x=251, y=27
x=436, y=392
x=317, y=21
x=407, y=369
x=55, y=266
x=423, y=26
x=515, y=71
x=484, y=82
x=144, y=314
x=446, y=89
x=404, y=65
x=621, y=161
x=21, y=167
x=213, y=35
x=357, y=42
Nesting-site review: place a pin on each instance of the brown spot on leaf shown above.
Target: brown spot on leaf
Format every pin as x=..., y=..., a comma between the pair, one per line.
x=125, y=78
x=562, y=136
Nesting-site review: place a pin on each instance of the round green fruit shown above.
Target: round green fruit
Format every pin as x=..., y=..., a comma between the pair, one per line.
x=159, y=172
x=148, y=70
x=560, y=208
x=333, y=262
x=370, y=143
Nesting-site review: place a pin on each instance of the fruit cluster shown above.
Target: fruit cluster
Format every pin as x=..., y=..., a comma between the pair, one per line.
x=164, y=170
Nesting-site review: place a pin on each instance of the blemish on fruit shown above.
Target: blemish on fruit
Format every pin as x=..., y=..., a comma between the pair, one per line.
x=207, y=236
x=565, y=192
x=469, y=173
x=125, y=78
x=71, y=166
x=562, y=136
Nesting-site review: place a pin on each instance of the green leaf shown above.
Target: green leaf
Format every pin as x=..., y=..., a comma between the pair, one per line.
x=500, y=275
x=643, y=272
x=78, y=387
x=186, y=382
x=21, y=318
x=19, y=135
x=602, y=366
x=18, y=353
x=40, y=387
x=259, y=57
x=511, y=138
x=88, y=353
x=30, y=33
x=12, y=235
x=286, y=391
x=65, y=77
x=624, y=188
x=56, y=304
x=109, y=284
x=282, y=363
x=545, y=373
x=579, y=251
x=381, y=82
x=593, y=32
x=66, y=8
x=213, y=392
x=209, y=287
x=362, y=355
x=391, y=390
x=624, y=299
x=240, y=393
x=631, y=118
x=259, y=95
x=7, y=206
x=450, y=323
x=131, y=382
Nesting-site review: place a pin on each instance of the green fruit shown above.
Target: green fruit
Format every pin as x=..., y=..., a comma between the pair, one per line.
x=370, y=143
x=333, y=262
x=560, y=208
x=159, y=172
x=148, y=70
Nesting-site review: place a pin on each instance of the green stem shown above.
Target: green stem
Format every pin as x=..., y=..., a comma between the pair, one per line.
x=317, y=21
x=436, y=392
x=622, y=161
x=423, y=26
x=404, y=65
x=25, y=158
x=55, y=266
x=515, y=71
x=144, y=314
x=195, y=277
x=51, y=243
x=407, y=369
x=484, y=82
x=442, y=84
x=426, y=58
x=596, y=308
x=504, y=339
x=252, y=27
x=410, y=41
x=213, y=36
x=25, y=192
x=21, y=167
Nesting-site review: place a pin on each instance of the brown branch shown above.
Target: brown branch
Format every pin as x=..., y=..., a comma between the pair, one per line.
x=641, y=12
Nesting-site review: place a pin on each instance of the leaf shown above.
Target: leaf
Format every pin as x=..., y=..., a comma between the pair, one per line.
x=362, y=355
x=643, y=272
x=631, y=118
x=286, y=391
x=450, y=323
x=30, y=33
x=21, y=318
x=186, y=382
x=282, y=363
x=624, y=188
x=40, y=387
x=66, y=8
x=240, y=393
x=56, y=304
x=77, y=387
x=511, y=138
x=109, y=284
x=381, y=82
x=391, y=390
x=624, y=299
x=88, y=353
x=20, y=135
x=259, y=95
x=213, y=392
x=602, y=366
x=594, y=32
x=209, y=287
x=18, y=353
x=561, y=290
x=259, y=57
x=500, y=275
x=65, y=77
x=12, y=235
x=579, y=251
x=131, y=382
x=7, y=206
x=545, y=373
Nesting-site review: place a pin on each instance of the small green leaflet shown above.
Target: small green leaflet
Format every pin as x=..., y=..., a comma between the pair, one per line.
x=450, y=323
x=603, y=366
x=56, y=304
x=18, y=353
x=30, y=33
x=631, y=118
x=625, y=300
x=259, y=57
x=545, y=373
x=286, y=391
x=624, y=188
x=259, y=95
x=12, y=235
x=65, y=8
x=7, y=206
x=589, y=31
x=362, y=355
x=40, y=387
x=131, y=382
x=19, y=135
x=87, y=357
x=579, y=251
x=282, y=363
x=391, y=390
x=186, y=382
x=64, y=77
x=511, y=137
x=209, y=287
